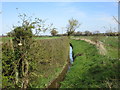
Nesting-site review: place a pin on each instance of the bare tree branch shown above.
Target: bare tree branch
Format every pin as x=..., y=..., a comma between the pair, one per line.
x=116, y=20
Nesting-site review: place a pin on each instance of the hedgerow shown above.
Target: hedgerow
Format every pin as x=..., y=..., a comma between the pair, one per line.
x=46, y=58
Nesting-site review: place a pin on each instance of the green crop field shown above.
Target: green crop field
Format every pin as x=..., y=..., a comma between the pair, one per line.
x=5, y=39
x=90, y=69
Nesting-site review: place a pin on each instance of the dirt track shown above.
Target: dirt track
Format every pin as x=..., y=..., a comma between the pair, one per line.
x=99, y=45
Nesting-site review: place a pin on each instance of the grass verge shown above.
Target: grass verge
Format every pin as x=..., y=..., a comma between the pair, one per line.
x=91, y=70
x=109, y=42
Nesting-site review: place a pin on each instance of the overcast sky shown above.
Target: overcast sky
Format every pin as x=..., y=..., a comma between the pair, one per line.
x=92, y=15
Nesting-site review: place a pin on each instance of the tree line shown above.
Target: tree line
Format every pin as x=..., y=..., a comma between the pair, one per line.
x=70, y=28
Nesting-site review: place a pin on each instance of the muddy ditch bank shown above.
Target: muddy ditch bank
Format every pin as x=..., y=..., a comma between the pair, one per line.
x=56, y=82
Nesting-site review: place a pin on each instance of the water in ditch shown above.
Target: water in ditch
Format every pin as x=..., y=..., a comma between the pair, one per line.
x=71, y=57
x=61, y=77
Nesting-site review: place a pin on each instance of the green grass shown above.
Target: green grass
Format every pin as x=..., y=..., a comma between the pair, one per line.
x=110, y=43
x=108, y=40
x=46, y=37
x=46, y=57
x=51, y=57
x=91, y=70
x=5, y=39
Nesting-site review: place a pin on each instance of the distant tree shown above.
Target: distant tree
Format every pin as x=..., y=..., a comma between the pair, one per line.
x=73, y=24
x=54, y=32
x=110, y=31
x=96, y=32
x=87, y=33
x=78, y=33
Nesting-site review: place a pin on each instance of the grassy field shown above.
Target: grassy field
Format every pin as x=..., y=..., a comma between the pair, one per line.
x=110, y=43
x=5, y=39
x=52, y=37
x=91, y=70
